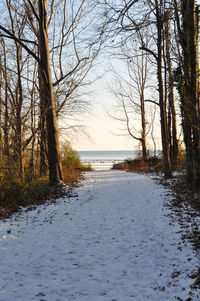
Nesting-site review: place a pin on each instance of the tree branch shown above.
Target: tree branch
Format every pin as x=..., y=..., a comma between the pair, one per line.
x=69, y=73
x=33, y=10
x=20, y=42
x=152, y=101
x=23, y=40
x=143, y=47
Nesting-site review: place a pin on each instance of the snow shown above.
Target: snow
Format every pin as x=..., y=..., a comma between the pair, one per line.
x=113, y=240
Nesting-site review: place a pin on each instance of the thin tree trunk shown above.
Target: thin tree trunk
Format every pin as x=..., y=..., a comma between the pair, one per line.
x=6, y=118
x=172, y=110
x=18, y=118
x=33, y=113
x=163, y=117
x=1, y=103
x=143, y=140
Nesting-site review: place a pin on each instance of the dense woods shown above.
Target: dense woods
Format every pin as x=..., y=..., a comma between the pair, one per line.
x=47, y=49
x=167, y=31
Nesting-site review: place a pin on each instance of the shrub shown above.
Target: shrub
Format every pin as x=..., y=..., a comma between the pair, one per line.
x=181, y=160
x=16, y=192
x=71, y=164
x=141, y=165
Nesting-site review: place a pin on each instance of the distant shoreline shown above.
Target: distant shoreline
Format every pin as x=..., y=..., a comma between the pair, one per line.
x=108, y=150
x=105, y=159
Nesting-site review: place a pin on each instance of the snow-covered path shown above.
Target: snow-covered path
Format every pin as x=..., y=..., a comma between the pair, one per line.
x=113, y=241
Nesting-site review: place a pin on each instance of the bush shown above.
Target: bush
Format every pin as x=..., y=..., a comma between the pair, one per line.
x=181, y=160
x=16, y=192
x=141, y=165
x=71, y=164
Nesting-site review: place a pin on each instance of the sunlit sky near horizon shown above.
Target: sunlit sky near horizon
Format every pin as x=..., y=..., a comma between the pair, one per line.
x=102, y=129
x=105, y=132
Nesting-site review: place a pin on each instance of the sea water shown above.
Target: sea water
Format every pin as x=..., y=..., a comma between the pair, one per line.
x=103, y=160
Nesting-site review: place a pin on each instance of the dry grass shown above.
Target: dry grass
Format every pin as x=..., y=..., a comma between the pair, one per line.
x=16, y=193
x=184, y=205
x=30, y=191
x=140, y=165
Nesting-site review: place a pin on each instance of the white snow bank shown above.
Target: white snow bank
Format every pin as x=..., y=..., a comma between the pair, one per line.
x=114, y=241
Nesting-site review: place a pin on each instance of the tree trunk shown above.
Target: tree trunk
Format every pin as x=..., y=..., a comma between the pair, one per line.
x=172, y=110
x=43, y=128
x=1, y=103
x=6, y=119
x=55, y=171
x=18, y=118
x=32, y=166
x=183, y=83
x=143, y=140
x=190, y=105
x=163, y=117
x=187, y=134
x=194, y=101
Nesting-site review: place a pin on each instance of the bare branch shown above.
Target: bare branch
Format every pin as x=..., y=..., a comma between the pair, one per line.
x=23, y=40
x=69, y=73
x=34, y=10
x=149, y=51
x=152, y=101
x=11, y=35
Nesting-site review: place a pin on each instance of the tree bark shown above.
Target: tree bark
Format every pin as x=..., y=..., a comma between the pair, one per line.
x=163, y=116
x=1, y=103
x=172, y=110
x=190, y=102
x=194, y=101
x=143, y=121
x=43, y=141
x=55, y=170
x=6, y=117
x=18, y=118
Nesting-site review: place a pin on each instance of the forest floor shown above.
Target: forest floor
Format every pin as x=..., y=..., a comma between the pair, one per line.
x=119, y=237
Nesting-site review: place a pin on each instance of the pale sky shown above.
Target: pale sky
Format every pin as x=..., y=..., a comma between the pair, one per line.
x=102, y=129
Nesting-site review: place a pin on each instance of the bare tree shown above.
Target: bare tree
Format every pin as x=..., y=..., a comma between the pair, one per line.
x=50, y=53
x=43, y=59
x=1, y=104
x=169, y=93
x=5, y=102
x=132, y=18
x=187, y=78
x=129, y=92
